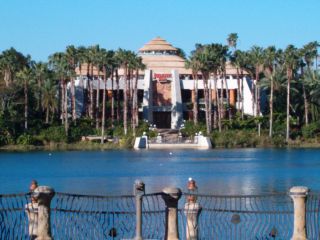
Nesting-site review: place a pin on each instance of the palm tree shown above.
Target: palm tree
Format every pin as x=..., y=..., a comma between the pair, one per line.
x=98, y=62
x=72, y=58
x=232, y=43
x=202, y=55
x=93, y=55
x=11, y=61
x=26, y=75
x=223, y=60
x=41, y=70
x=124, y=57
x=194, y=64
x=239, y=61
x=308, y=53
x=232, y=40
x=135, y=110
x=49, y=100
x=114, y=66
x=209, y=58
x=291, y=58
x=106, y=59
x=256, y=56
x=269, y=65
x=60, y=66
x=312, y=81
x=117, y=63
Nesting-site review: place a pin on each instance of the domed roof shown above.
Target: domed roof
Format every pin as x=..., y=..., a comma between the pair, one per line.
x=157, y=44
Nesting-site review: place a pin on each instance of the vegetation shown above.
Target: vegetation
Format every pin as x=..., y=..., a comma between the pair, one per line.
x=36, y=107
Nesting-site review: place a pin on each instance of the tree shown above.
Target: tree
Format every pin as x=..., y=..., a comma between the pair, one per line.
x=193, y=64
x=40, y=70
x=202, y=56
x=11, y=61
x=60, y=66
x=239, y=59
x=49, y=100
x=124, y=57
x=291, y=58
x=138, y=64
x=232, y=40
x=311, y=80
x=308, y=53
x=26, y=75
x=106, y=61
x=210, y=58
x=93, y=55
x=257, y=58
x=269, y=70
x=73, y=59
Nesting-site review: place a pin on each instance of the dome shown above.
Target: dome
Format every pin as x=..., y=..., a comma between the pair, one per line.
x=157, y=44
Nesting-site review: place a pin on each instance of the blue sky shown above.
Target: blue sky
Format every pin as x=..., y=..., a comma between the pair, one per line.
x=41, y=27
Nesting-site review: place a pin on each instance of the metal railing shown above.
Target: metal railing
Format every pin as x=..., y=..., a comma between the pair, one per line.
x=75, y=216
x=171, y=140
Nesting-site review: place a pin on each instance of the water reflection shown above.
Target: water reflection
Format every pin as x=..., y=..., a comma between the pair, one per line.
x=236, y=171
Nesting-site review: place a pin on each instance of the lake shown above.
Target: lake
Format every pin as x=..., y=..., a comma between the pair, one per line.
x=231, y=171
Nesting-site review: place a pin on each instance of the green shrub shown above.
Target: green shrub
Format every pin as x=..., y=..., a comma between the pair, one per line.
x=127, y=141
x=279, y=141
x=190, y=129
x=53, y=134
x=5, y=138
x=235, y=138
x=83, y=127
x=25, y=139
x=311, y=130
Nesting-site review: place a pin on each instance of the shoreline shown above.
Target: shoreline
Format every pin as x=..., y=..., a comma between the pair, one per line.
x=94, y=146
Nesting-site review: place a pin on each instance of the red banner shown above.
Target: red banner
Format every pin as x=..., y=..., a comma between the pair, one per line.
x=162, y=77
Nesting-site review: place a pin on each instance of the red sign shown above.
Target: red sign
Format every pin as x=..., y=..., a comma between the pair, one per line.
x=162, y=77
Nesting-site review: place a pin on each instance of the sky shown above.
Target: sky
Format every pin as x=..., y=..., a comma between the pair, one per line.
x=42, y=27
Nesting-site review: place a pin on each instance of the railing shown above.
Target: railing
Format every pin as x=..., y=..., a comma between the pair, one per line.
x=244, y=217
x=76, y=216
x=172, y=140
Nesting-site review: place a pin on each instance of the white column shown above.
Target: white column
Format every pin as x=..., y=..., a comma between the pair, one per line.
x=147, y=104
x=177, y=109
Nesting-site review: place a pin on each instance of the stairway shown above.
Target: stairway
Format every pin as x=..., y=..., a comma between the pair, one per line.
x=169, y=135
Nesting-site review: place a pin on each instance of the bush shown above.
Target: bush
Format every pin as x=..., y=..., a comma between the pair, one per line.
x=190, y=129
x=279, y=141
x=237, y=122
x=25, y=139
x=311, y=130
x=235, y=138
x=53, y=134
x=83, y=127
x=144, y=127
x=5, y=138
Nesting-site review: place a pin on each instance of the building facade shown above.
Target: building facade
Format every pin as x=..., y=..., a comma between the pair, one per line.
x=166, y=89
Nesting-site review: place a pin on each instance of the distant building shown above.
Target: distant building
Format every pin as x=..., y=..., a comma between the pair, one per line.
x=166, y=88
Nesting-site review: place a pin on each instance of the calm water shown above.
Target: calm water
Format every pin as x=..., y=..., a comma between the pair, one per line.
x=237, y=171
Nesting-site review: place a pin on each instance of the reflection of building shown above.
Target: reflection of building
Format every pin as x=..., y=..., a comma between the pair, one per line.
x=166, y=88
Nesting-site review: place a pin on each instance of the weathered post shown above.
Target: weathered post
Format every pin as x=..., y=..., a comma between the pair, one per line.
x=171, y=197
x=44, y=195
x=139, y=191
x=192, y=210
x=299, y=195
